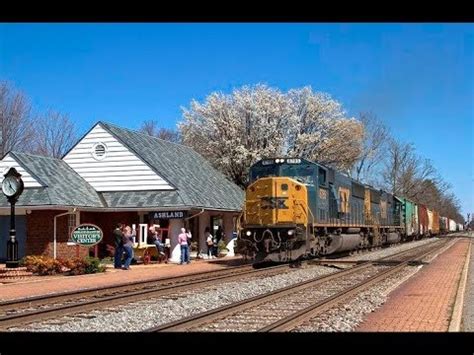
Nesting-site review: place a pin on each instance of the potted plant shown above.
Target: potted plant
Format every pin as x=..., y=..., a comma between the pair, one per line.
x=221, y=248
x=193, y=250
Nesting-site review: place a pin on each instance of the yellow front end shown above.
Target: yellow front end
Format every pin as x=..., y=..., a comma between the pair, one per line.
x=275, y=201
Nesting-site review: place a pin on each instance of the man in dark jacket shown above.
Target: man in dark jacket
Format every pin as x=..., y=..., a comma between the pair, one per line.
x=117, y=233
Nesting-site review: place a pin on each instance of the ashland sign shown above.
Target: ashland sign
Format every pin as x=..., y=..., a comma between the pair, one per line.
x=86, y=235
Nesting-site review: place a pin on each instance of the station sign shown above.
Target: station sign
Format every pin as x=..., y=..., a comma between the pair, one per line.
x=168, y=215
x=86, y=235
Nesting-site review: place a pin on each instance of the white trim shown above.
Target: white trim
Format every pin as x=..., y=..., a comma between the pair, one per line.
x=124, y=209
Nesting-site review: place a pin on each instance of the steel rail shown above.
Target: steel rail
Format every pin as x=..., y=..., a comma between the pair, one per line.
x=161, y=287
x=312, y=311
x=221, y=312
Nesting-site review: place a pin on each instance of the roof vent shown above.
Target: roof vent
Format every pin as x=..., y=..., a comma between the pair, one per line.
x=99, y=151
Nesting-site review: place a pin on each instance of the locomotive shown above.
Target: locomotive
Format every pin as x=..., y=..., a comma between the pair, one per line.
x=295, y=208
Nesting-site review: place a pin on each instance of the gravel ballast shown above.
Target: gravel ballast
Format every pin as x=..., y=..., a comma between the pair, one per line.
x=144, y=314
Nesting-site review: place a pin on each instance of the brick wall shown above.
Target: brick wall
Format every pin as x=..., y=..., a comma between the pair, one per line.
x=107, y=221
x=40, y=235
x=40, y=232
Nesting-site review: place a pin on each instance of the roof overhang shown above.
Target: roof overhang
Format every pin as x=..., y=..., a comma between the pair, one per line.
x=117, y=209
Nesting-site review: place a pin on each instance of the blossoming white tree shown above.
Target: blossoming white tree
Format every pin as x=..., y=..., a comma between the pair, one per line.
x=254, y=122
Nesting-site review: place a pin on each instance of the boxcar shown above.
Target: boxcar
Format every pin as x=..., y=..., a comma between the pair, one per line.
x=408, y=216
x=452, y=226
x=435, y=230
x=423, y=219
x=443, y=225
x=430, y=221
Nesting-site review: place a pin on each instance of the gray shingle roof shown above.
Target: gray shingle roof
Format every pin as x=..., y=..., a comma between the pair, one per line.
x=125, y=199
x=64, y=187
x=198, y=183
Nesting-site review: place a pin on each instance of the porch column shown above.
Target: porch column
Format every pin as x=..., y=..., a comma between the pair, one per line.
x=174, y=231
x=204, y=221
x=228, y=230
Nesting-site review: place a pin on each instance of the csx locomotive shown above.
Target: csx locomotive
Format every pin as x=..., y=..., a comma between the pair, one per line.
x=297, y=208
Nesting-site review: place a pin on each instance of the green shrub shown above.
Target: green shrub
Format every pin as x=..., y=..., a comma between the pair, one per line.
x=93, y=265
x=87, y=265
x=107, y=260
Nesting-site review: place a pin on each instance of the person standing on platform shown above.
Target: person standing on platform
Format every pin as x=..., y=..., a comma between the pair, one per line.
x=117, y=234
x=209, y=242
x=127, y=239
x=215, y=242
x=183, y=242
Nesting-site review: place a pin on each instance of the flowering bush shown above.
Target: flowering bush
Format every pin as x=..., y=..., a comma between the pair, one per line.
x=46, y=265
x=43, y=265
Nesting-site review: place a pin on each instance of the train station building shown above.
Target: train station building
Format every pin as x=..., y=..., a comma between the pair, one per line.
x=116, y=175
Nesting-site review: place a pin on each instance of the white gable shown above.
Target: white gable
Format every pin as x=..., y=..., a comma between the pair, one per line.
x=9, y=162
x=115, y=169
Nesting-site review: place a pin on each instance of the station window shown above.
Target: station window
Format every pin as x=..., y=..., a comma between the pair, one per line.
x=71, y=224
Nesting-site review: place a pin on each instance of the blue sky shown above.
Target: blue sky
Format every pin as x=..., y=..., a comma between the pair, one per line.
x=418, y=78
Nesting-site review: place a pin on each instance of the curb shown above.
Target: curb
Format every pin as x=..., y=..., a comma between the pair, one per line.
x=456, y=317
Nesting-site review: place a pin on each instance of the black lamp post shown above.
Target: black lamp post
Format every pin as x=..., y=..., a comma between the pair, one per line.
x=12, y=187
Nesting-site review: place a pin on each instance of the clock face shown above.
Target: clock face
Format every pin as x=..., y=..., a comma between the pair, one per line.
x=10, y=186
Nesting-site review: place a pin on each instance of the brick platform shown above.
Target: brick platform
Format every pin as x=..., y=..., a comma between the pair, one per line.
x=40, y=285
x=425, y=301
x=14, y=274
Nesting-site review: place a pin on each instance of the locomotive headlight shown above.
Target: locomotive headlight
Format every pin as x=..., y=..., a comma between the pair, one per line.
x=291, y=231
x=249, y=233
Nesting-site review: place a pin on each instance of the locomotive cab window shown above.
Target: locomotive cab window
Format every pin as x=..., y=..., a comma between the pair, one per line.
x=258, y=172
x=301, y=173
x=322, y=176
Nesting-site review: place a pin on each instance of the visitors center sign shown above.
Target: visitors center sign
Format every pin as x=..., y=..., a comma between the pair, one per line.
x=86, y=235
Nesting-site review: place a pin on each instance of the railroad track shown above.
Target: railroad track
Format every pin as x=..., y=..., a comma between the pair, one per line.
x=288, y=307
x=37, y=309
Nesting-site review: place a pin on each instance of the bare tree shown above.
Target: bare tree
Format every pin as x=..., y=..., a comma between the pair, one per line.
x=152, y=128
x=405, y=172
x=16, y=123
x=376, y=136
x=408, y=175
x=55, y=135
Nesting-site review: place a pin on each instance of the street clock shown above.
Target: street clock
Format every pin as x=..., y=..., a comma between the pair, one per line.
x=12, y=185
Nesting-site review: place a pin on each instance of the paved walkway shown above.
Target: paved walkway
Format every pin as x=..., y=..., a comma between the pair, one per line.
x=53, y=284
x=425, y=301
x=468, y=313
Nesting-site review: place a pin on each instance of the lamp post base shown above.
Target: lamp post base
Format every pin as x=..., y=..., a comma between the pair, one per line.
x=12, y=264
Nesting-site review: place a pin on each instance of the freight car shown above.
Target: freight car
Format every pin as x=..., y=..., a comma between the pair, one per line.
x=452, y=226
x=297, y=208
